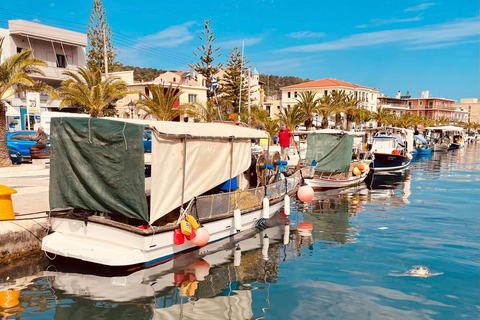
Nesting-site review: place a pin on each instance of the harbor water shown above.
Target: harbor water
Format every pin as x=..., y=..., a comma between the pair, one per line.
x=344, y=256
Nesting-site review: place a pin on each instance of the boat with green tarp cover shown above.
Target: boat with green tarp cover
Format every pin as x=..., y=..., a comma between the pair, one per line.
x=104, y=210
x=331, y=155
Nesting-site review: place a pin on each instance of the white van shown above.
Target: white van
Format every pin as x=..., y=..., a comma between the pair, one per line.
x=46, y=116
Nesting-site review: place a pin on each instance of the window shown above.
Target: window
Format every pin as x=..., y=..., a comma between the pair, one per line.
x=19, y=49
x=430, y=104
x=192, y=98
x=410, y=104
x=325, y=92
x=268, y=109
x=278, y=107
x=295, y=94
x=61, y=62
x=430, y=114
x=288, y=107
x=174, y=79
x=420, y=113
x=21, y=137
x=420, y=103
x=147, y=92
x=289, y=94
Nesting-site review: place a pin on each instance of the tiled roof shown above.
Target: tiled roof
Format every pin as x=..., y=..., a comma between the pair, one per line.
x=326, y=83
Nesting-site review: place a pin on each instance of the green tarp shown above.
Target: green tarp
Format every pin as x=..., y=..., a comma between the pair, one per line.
x=98, y=164
x=332, y=152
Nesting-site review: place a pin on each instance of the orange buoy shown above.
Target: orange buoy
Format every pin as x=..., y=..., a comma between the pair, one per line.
x=202, y=237
x=361, y=167
x=305, y=193
x=395, y=151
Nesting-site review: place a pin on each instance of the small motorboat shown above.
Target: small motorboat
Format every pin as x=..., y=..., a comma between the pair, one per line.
x=423, y=148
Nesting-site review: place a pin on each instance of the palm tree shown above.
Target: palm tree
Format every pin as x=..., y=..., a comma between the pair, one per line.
x=350, y=108
x=382, y=116
x=325, y=109
x=15, y=77
x=256, y=118
x=292, y=118
x=90, y=90
x=272, y=128
x=161, y=103
x=308, y=105
x=339, y=98
x=362, y=115
x=203, y=113
x=442, y=121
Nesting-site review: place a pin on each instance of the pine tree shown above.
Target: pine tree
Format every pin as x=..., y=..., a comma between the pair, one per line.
x=98, y=22
x=230, y=84
x=207, y=56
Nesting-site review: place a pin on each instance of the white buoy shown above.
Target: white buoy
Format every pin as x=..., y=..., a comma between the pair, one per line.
x=237, y=219
x=286, y=234
x=237, y=257
x=266, y=208
x=265, y=244
x=287, y=205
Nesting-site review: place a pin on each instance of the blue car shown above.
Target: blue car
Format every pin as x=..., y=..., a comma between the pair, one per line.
x=21, y=141
x=147, y=140
x=15, y=156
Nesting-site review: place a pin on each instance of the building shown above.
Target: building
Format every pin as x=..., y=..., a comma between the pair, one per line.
x=323, y=87
x=61, y=49
x=395, y=105
x=472, y=105
x=190, y=93
x=461, y=115
x=432, y=107
x=273, y=105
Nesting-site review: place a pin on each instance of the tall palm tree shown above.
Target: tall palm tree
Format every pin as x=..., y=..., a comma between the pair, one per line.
x=15, y=77
x=90, y=90
x=339, y=98
x=292, y=118
x=161, y=102
x=308, y=105
x=203, y=113
x=256, y=118
x=272, y=127
x=382, y=116
x=442, y=121
x=362, y=115
x=326, y=109
x=350, y=108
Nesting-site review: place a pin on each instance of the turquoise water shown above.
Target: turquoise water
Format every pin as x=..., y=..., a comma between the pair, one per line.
x=428, y=215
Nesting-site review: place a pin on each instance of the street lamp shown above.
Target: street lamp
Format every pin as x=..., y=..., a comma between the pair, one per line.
x=131, y=106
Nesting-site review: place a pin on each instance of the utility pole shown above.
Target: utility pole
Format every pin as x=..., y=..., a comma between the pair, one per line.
x=105, y=58
x=248, y=101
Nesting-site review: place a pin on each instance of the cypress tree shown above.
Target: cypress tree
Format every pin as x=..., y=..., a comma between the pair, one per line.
x=98, y=22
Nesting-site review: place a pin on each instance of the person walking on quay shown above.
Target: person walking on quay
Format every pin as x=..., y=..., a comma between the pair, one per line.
x=284, y=136
x=296, y=141
x=41, y=139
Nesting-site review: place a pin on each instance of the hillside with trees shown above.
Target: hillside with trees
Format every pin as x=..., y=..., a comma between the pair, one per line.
x=274, y=83
x=143, y=74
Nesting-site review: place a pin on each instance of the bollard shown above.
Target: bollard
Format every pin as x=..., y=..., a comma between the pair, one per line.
x=6, y=206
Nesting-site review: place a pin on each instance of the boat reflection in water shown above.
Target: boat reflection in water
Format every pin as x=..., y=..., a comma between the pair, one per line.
x=392, y=189
x=213, y=282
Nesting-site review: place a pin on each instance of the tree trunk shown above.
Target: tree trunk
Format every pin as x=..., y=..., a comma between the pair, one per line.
x=338, y=120
x=4, y=155
x=349, y=122
x=308, y=124
x=325, y=123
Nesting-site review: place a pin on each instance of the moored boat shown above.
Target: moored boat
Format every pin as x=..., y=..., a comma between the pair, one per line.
x=392, y=148
x=423, y=148
x=104, y=210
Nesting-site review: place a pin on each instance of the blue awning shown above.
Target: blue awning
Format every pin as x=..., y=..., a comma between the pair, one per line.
x=420, y=138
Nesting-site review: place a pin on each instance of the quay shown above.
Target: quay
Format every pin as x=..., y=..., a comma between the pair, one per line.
x=23, y=236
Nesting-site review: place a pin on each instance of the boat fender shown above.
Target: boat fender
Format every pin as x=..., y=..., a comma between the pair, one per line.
x=396, y=152
x=266, y=208
x=305, y=193
x=409, y=156
x=178, y=277
x=178, y=237
x=265, y=244
x=192, y=222
x=361, y=167
x=356, y=171
x=237, y=219
x=287, y=205
x=202, y=238
x=237, y=257
x=185, y=227
x=192, y=235
x=286, y=234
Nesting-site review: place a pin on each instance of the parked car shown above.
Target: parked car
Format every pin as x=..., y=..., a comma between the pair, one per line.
x=21, y=141
x=147, y=140
x=15, y=156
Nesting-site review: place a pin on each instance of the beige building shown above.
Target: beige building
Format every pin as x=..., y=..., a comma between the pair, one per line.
x=273, y=105
x=61, y=49
x=323, y=87
x=472, y=105
x=190, y=94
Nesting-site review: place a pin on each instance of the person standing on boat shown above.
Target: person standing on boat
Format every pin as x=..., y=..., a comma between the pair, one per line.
x=285, y=135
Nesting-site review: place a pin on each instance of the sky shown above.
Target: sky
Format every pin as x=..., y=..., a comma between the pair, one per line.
x=390, y=45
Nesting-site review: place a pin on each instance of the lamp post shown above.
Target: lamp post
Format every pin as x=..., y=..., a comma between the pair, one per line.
x=131, y=106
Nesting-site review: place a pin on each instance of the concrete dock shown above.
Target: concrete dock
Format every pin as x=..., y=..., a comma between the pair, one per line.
x=23, y=236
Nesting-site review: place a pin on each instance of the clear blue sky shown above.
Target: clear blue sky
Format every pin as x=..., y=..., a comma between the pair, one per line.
x=391, y=45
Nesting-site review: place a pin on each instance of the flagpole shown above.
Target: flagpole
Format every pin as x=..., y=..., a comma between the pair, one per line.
x=241, y=83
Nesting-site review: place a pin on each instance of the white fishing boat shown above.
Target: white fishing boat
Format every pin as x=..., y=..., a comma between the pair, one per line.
x=392, y=148
x=104, y=210
x=330, y=155
x=446, y=138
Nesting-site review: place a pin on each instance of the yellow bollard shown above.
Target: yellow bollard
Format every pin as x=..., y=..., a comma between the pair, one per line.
x=6, y=206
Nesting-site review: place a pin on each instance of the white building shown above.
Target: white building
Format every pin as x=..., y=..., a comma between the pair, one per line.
x=323, y=87
x=61, y=49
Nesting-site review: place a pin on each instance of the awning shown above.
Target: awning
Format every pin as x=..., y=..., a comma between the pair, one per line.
x=419, y=138
x=11, y=112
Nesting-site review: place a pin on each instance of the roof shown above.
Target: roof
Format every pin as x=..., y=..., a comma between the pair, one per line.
x=326, y=83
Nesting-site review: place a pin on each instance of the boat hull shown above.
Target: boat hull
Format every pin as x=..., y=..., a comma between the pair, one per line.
x=324, y=183
x=439, y=148
x=385, y=162
x=421, y=151
x=110, y=246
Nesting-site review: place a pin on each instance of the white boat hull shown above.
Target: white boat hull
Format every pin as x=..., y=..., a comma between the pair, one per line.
x=317, y=182
x=110, y=246
x=439, y=147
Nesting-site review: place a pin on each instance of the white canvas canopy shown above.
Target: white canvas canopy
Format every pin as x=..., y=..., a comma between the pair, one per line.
x=212, y=154
x=446, y=128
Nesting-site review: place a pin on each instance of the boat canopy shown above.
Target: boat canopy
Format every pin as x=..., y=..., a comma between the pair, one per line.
x=421, y=139
x=447, y=128
x=331, y=152
x=98, y=163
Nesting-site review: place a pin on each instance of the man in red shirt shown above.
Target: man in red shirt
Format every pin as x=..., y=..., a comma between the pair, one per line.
x=284, y=136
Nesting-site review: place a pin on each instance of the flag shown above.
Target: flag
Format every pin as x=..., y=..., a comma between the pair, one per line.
x=214, y=85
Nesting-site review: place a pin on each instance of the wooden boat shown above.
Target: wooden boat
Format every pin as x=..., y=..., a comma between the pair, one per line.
x=331, y=157
x=104, y=210
x=423, y=148
x=446, y=138
x=392, y=148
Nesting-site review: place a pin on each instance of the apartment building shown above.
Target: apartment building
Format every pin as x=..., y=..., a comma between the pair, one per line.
x=61, y=49
x=472, y=105
x=432, y=107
